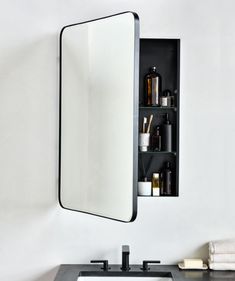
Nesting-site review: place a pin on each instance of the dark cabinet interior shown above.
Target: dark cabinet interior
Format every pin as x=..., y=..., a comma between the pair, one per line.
x=165, y=55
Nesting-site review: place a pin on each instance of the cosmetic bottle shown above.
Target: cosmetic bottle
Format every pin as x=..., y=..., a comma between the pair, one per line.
x=155, y=185
x=153, y=87
x=166, y=99
x=166, y=180
x=144, y=187
x=156, y=139
x=167, y=134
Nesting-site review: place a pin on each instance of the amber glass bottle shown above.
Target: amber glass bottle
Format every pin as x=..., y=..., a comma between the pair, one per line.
x=153, y=85
x=166, y=180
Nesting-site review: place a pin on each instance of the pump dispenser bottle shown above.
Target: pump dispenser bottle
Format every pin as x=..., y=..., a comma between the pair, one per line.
x=167, y=134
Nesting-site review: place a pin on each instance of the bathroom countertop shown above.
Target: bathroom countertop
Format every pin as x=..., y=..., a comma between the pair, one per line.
x=70, y=272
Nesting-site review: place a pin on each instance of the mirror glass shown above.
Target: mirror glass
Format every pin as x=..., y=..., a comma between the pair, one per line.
x=99, y=116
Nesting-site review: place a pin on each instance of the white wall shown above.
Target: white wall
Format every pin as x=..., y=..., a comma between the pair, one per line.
x=36, y=235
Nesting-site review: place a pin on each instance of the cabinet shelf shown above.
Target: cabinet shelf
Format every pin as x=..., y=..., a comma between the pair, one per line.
x=157, y=152
x=158, y=108
x=150, y=196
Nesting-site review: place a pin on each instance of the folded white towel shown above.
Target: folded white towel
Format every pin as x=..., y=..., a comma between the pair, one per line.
x=225, y=258
x=222, y=247
x=221, y=266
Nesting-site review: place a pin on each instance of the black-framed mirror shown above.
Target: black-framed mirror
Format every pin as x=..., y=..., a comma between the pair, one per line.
x=99, y=73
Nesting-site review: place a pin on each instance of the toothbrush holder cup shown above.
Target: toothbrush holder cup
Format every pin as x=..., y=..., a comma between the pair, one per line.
x=144, y=139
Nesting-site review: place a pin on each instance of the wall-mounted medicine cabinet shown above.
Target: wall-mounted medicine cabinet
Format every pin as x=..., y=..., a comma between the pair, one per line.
x=103, y=64
x=165, y=55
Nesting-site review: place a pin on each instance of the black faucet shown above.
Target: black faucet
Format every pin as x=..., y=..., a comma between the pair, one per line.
x=125, y=258
x=104, y=262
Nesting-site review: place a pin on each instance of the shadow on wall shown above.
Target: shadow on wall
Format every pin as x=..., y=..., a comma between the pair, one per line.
x=48, y=276
x=202, y=252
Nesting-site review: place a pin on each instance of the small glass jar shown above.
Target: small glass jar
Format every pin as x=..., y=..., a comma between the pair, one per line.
x=166, y=99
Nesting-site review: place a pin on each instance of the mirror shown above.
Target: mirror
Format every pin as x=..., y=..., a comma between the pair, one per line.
x=99, y=72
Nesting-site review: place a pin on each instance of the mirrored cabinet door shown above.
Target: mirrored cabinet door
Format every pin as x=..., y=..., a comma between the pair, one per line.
x=99, y=73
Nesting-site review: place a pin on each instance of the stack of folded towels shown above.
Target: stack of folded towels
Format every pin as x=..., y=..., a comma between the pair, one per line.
x=222, y=255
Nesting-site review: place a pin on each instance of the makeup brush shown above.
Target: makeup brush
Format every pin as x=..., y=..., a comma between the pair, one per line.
x=150, y=121
x=144, y=123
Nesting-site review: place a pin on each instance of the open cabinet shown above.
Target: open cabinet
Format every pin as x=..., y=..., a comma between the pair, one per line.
x=165, y=55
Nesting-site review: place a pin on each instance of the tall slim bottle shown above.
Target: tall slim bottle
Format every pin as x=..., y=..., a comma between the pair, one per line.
x=153, y=83
x=167, y=134
x=166, y=180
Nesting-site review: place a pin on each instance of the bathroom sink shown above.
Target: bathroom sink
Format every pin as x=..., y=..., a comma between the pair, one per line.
x=120, y=278
x=124, y=276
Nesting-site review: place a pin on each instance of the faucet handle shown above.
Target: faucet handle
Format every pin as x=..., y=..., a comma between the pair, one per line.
x=145, y=264
x=104, y=262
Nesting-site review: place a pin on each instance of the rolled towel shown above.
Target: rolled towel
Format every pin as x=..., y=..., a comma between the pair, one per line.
x=221, y=266
x=222, y=247
x=225, y=258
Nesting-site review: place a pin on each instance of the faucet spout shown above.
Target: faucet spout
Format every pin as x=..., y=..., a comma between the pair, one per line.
x=125, y=258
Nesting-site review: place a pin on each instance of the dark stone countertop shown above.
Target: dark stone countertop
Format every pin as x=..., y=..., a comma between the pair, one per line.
x=70, y=272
